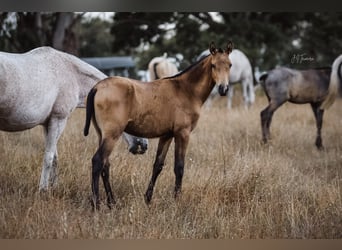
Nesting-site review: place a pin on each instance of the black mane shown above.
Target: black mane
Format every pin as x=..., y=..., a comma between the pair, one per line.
x=187, y=69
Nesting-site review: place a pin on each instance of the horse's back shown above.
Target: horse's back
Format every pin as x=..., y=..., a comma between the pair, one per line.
x=34, y=84
x=297, y=86
x=241, y=66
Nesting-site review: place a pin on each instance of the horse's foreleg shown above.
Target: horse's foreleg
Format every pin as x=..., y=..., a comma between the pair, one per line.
x=53, y=130
x=319, y=121
x=181, y=143
x=245, y=93
x=230, y=96
x=163, y=147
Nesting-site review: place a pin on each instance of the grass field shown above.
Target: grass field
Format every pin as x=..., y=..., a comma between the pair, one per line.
x=233, y=185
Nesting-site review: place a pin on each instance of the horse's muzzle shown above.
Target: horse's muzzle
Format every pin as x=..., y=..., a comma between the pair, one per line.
x=223, y=89
x=139, y=147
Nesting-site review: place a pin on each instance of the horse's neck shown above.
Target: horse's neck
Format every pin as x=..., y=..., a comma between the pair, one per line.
x=198, y=80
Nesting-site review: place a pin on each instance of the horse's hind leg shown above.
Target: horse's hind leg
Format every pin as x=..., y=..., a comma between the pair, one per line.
x=100, y=166
x=319, y=121
x=53, y=130
x=163, y=147
x=106, y=183
x=266, y=119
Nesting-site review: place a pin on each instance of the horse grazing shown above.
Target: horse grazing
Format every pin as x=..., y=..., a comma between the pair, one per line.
x=318, y=87
x=241, y=72
x=43, y=87
x=166, y=108
x=160, y=67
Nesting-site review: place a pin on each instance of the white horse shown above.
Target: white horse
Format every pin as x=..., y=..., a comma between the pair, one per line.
x=43, y=87
x=160, y=67
x=240, y=72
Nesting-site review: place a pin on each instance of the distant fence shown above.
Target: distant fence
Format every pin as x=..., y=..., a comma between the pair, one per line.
x=112, y=65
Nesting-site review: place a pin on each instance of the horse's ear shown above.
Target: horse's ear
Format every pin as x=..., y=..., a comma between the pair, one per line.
x=212, y=48
x=229, y=48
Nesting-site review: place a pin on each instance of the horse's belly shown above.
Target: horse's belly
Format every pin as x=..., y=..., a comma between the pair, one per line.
x=148, y=129
x=18, y=120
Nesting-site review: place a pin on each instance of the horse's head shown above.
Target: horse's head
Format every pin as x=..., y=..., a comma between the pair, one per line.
x=139, y=146
x=136, y=145
x=220, y=66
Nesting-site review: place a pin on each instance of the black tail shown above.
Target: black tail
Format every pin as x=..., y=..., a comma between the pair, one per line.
x=89, y=110
x=263, y=77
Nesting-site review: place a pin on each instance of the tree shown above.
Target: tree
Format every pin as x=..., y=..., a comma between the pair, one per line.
x=95, y=37
x=22, y=31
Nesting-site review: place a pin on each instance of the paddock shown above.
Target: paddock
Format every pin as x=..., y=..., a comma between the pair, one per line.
x=234, y=186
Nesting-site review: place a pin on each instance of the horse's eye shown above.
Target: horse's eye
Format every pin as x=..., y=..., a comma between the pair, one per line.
x=230, y=65
x=213, y=66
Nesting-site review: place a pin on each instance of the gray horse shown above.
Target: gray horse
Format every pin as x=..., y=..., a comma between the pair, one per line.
x=160, y=67
x=43, y=87
x=300, y=86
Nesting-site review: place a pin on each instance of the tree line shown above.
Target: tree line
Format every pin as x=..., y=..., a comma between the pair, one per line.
x=295, y=39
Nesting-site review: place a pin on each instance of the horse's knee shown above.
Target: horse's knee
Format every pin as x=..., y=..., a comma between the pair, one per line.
x=264, y=115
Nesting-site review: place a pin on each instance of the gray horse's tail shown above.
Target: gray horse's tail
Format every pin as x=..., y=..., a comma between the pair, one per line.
x=263, y=77
x=335, y=80
x=90, y=111
x=155, y=65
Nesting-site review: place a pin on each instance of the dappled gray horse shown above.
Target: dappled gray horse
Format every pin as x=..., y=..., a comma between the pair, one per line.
x=43, y=87
x=241, y=72
x=300, y=86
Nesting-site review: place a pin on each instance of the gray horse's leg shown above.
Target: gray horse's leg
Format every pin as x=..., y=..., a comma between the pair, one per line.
x=230, y=96
x=245, y=94
x=251, y=92
x=319, y=120
x=266, y=119
x=53, y=130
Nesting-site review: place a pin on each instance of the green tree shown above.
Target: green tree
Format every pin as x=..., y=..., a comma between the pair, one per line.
x=95, y=37
x=22, y=31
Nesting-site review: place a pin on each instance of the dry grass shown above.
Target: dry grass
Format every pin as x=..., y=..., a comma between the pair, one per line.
x=233, y=186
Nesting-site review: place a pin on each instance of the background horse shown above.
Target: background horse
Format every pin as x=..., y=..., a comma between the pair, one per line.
x=241, y=72
x=160, y=67
x=166, y=108
x=300, y=86
x=43, y=87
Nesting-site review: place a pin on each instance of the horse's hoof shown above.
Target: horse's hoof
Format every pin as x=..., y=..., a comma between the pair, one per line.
x=94, y=204
x=148, y=198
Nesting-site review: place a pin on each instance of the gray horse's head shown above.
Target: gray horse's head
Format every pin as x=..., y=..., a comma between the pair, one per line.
x=136, y=145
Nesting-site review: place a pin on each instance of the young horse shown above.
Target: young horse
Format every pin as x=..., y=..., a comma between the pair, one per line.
x=166, y=108
x=241, y=72
x=160, y=67
x=300, y=86
x=43, y=87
